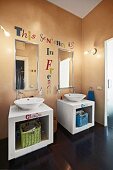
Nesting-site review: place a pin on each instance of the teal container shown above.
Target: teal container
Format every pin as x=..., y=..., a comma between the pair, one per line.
x=91, y=95
x=81, y=119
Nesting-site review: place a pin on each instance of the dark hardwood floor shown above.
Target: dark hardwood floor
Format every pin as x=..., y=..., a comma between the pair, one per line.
x=110, y=121
x=88, y=150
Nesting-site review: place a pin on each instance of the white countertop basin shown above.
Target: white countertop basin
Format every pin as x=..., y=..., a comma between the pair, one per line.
x=29, y=103
x=75, y=97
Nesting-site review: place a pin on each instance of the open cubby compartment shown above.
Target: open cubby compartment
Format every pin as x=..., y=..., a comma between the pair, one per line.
x=44, y=127
x=44, y=130
x=88, y=110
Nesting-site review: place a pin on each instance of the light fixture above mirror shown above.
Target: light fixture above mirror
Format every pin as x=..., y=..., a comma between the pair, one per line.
x=7, y=34
x=91, y=51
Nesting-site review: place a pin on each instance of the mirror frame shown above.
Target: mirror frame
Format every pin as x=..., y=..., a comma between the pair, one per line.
x=59, y=69
x=37, y=80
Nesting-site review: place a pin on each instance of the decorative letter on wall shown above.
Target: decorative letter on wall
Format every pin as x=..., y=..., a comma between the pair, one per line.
x=18, y=30
x=49, y=76
x=49, y=62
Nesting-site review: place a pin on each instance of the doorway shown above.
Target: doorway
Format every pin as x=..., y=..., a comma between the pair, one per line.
x=109, y=83
x=21, y=72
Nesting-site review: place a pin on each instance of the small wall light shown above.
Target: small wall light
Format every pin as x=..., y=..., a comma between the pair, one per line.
x=92, y=51
x=7, y=34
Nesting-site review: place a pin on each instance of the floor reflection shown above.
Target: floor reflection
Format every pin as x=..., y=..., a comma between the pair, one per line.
x=88, y=150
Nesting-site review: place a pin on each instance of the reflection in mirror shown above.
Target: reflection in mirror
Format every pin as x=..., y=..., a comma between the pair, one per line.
x=26, y=65
x=65, y=68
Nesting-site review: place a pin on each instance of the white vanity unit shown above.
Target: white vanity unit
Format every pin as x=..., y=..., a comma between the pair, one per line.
x=44, y=114
x=67, y=114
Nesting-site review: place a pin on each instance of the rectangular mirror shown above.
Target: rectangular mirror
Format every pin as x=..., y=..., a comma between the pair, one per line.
x=65, y=68
x=26, y=65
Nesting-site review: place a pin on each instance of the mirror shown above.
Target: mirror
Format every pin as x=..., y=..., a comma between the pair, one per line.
x=26, y=65
x=65, y=68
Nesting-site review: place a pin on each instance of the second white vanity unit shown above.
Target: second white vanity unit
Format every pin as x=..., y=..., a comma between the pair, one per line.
x=67, y=111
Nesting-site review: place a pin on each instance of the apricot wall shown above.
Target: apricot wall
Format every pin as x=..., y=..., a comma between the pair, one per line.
x=96, y=28
x=37, y=16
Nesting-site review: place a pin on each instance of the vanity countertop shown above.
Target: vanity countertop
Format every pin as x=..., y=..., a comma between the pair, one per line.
x=72, y=103
x=17, y=112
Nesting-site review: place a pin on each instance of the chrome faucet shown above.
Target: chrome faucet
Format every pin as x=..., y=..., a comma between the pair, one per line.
x=74, y=90
x=20, y=94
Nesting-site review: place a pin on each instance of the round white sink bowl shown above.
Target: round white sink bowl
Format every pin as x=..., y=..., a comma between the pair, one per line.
x=29, y=103
x=75, y=97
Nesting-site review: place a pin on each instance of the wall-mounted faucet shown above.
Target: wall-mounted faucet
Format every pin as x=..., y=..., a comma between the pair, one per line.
x=74, y=90
x=40, y=92
x=20, y=94
x=58, y=89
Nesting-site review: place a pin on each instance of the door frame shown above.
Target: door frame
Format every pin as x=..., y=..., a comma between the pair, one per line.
x=106, y=80
x=105, y=61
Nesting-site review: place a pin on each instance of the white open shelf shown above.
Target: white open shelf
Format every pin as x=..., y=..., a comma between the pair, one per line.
x=18, y=116
x=23, y=151
x=84, y=127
